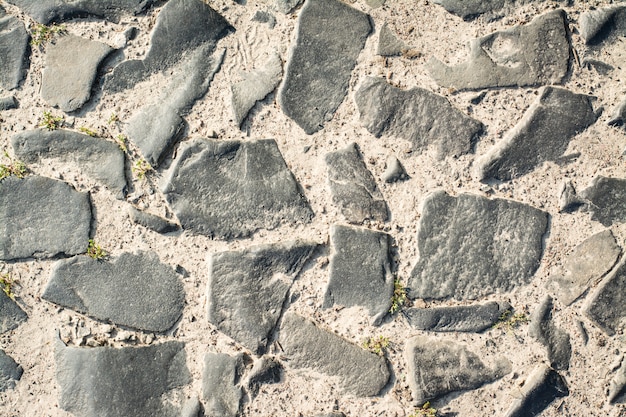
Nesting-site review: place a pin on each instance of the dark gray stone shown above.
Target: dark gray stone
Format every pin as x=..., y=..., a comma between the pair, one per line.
x=353, y=187
x=267, y=370
x=130, y=381
x=617, y=386
x=8, y=103
x=247, y=289
x=221, y=388
x=569, y=201
x=605, y=197
x=417, y=115
x=471, y=246
x=388, y=43
x=606, y=306
x=42, y=217
x=468, y=9
x=360, y=373
x=330, y=36
x=394, y=171
x=48, y=11
x=100, y=159
x=11, y=315
x=264, y=17
x=152, y=222
x=286, y=6
x=471, y=318
x=14, y=50
x=437, y=367
x=619, y=115
x=601, y=67
x=360, y=271
x=228, y=189
x=10, y=372
x=597, y=25
x=543, y=134
x=534, y=54
x=134, y=290
x=556, y=340
x=542, y=386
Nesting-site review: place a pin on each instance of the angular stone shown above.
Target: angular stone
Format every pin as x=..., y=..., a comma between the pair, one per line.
x=619, y=115
x=129, y=381
x=388, y=43
x=585, y=266
x=605, y=198
x=267, y=370
x=247, y=289
x=221, y=388
x=568, y=199
x=100, y=159
x=353, y=187
x=543, y=134
x=468, y=9
x=14, y=50
x=134, y=290
x=360, y=271
x=8, y=103
x=286, y=6
x=556, y=340
x=596, y=25
x=48, y=11
x=395, y=171
x=42, y=217
x=10, y=372
x=228, y=189
x=417, y=115
x=617, y=386
x=542, y=386
x=471, y=318
x=533, y=54
x=471, y=246
x=437, y=367
x=359, y=372
x=265, y=17
x=11, y=315
x=606, y=307
x=152, y=222
x=330, y=36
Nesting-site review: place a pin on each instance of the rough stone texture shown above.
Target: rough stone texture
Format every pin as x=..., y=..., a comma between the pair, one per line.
x=619, y=115
x=8, y=103
x=221, y=388
x=247, y=289
x=437, y=367
x=100, y=159
x=388, y=43
x=10, y=372
x=556, y=341
x=229, y=189
x=597, y=25
x=471, y=318
x=265, y=17
x=568, y=199
x=542, y=386
x=587, y=263
x=42, y=217
x=606, y=200
x=543, y=134
x=606, y=306
x=417, y=115
x=129, y=381
x=533, y=54
x=359, y=372
x=286, y=6
x=394, y=171
x=134, y=290
x=360, y=271
x=14, y=51
x=468, y=9
x=191, y=408
x=152, y=222
x=471, y=246
x=48, y=11
x=11, y=315
x=353, y=187
x=330, y=36
x=267, y=370
x=617, y=386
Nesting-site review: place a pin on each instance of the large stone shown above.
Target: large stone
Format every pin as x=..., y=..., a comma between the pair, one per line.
x=597, y=25
x=100, y=159
x=42, y=217
x=247, y=289
x=221, y=387
x=606, y=306
x=48, y=11
x=353, y=187
x=417, y=115
x=542, y=386
x=617, y=386
x=471, y=246
x=10, y=372
x=134, y=290
x=11, y=315
x=437, y=367
x=330, y=36
x=605, y=197
x=359, y=372
x=471, y=318
x=130, y=381
x=556, y=341
x=543, y=134
x=14, y=50
x=533, y=54
x=227, y=189
x=360, y=271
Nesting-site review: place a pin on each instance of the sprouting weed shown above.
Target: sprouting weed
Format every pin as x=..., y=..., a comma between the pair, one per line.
x=88, y=131
x=510, y=321
x=113, y=118
x=14, y=167
x=424, y=411
x=399, y=297
x=95, y=251
x=42, y=34
x=378, y=344
x=121, y=142
x=141, y=168
x=50, y=122
x=6, y=285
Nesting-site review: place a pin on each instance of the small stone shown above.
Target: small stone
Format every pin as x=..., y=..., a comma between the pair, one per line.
x=375, y=4
x=152, y=222
x=619, y=115
x=264, y=17
x=472, y=318
x=556, y=341
x=617, y=386
x=14, y=49
x=286, y=6
x=395, y=171
x=601, y=67
x=11, y=315
x=596, y=25
x=8, y=103
x=606, y=306
x=568, y=199
x=267, y=370
x=49, y=11
x=469, y=9
x=388, y=43
x=10, y=372
x=221, y=389
x=542, y=386
x=605, y=197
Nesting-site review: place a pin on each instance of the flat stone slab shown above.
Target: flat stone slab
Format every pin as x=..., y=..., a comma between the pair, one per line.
x=605, y=197
x=129, y=381
x=471, y=318
x=14, y=50
x=438, y=367
x=330, y=36
x=247, y=289
x=221, y=388
x=359, y=372
x=617, y=386
x=533, y=54
x=100, y=159
x=152, y=222
x=543, y=134
x=597, y=25
x=10, y=372
x=134, y=290
x=542, y=386
x=353, y=187
x=417, y=115
x=606, y=306
x=471, y=246
x=11, y=315
x=556, y=341
x=41, y=217
x=360, y=271
x=228, y=189
x=48, y=11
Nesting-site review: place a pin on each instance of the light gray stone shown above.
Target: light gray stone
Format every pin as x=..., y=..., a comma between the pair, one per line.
x=221, y=388
x=606, y=306
x=8, y=103
x=617, y=386
x=471, y=318
x=605, y=198
x=556, y=341
x=286, y=6
x=152, y=222
x=11, y=315
x=262, y=16
x=394, y=171
x=14, y=50
x=388, y=42
x=48, y=11
x=191, y=408
x=542, y=386
x=596, y=25
x=10, y=372
x=619, y=115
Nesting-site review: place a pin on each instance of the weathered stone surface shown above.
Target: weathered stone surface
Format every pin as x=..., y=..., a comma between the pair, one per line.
x=417, y=115
x=619, y=115
x=221, y=388
x=388, y=43
x=48, y=11
x=568, y=199
x=229, y=189
x=247, y=289
x=8, y=103
x=353, y=187
x=471, y=246
x=152, y=222
x=265, y=17
x=533, y=54
x=394, y=171
x=542, y=386
x=543, y=134
x=617, y=386
x=596, y=25
x=359, y=372
x=472, y=318
x=605, y=197
x=585, y=266
x=10, y=372
x=437, y=367
x=267, y=370
x=42, y=217
x=98, y=158
x=556, y=341
x=14, y=51
x=255, y=86
x=134, y=290
x=330, y=36
x=286, y=6
x=468, y=9
x=11, y=315
x=130, y=381
x=606, y=306
x=360, y=271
